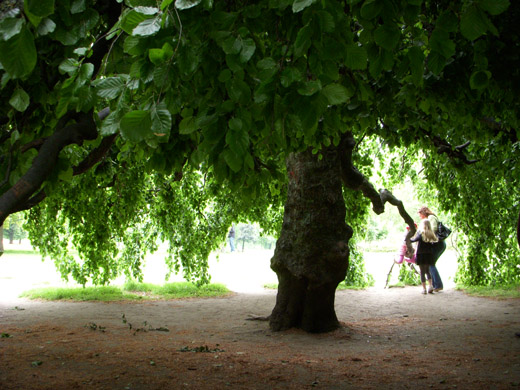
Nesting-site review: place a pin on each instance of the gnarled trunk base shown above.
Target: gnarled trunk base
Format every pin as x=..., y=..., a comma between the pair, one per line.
x=311, y=255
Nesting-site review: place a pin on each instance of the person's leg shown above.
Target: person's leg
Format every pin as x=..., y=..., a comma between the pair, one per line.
x=232, y=243
x=429, y=276
x=436, y=278
x=439, y=249
x=422, y=270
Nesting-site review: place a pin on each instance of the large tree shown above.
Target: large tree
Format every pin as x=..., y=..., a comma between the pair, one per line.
x=170, y=119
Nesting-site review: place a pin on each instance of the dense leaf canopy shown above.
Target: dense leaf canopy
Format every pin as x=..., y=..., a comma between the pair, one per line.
x=148, y=119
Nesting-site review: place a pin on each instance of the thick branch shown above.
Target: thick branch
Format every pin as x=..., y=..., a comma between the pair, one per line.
x=93, y=157
x=44, y=163
x=355, y=180
x=387, y=196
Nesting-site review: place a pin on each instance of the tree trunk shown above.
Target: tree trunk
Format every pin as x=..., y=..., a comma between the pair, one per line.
x=311, y=255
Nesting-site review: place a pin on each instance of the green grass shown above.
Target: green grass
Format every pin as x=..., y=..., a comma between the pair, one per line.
x=21, y=252
x=497, y=292
x=130, y=291
x=178, y=289
x=99, y=293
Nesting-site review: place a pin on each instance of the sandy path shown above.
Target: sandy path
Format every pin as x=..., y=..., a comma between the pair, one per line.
x=390, y=339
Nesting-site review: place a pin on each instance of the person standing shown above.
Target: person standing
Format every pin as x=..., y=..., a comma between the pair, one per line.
x=424, y=255
x=231, y=238
x=439, y=247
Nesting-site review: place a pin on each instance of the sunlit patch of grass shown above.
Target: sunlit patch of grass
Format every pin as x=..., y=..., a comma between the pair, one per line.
x=497, y=292
x=98, y=293
x=178, y=289
x=130, y=291
x=21, y=252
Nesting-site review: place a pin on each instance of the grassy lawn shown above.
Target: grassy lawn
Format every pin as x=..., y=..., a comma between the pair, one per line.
x=130, y=291
x=498, y=292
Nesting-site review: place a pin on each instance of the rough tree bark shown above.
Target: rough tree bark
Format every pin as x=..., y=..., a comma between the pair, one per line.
x=311, y=255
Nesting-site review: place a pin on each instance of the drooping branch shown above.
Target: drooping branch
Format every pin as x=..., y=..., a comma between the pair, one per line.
x=355, y=180
x=453, y=152
x=387, y=196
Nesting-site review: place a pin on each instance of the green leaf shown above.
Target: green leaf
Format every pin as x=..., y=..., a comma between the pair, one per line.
x=494, y=7
x=436, y=62
x=326, y=21
x=300, y=5
x=110, y=124
x=303, y=41
x=224, y=76
x=290, y=75
x=70, y=66
x=232, y=45
x=130, y=20
x=416, y=57
x=371, y=9
x=85, y=73
x=387, y=36
x=19, y=100
x=238, y=141
x=448, y=22
x=110, y=87
x=480, y=79
x=187, y=125
x=165, y=4
x=18, y=54
x=147, y=27
x=45, y=27
x=233, y=160
x=248, y=49
x=147, y=10
x=40, y=8
x=474, y=23
x=156, y=56
x=336, y=94
x=185, y=4
x=266, y=63
x=441, y=42
x=78, y=6
x=10, y=27
x=161, y=121
x=235, y=124
x=356, y=58
x=136, y=125
x=309, y=88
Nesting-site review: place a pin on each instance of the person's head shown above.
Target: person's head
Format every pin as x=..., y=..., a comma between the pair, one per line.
x=426, y=231
x=425, y=212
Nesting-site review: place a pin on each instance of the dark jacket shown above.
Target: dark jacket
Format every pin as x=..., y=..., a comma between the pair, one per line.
x=425, y=250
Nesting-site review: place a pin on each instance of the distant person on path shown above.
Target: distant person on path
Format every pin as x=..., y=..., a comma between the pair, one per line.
x=439, y=247
x=231, y=237
x=424, y=255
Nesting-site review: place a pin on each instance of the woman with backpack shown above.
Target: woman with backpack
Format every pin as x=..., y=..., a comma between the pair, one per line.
x=438, y=249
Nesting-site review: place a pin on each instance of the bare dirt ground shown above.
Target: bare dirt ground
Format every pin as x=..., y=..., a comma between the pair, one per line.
x=395, y=339
x=390, y=339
